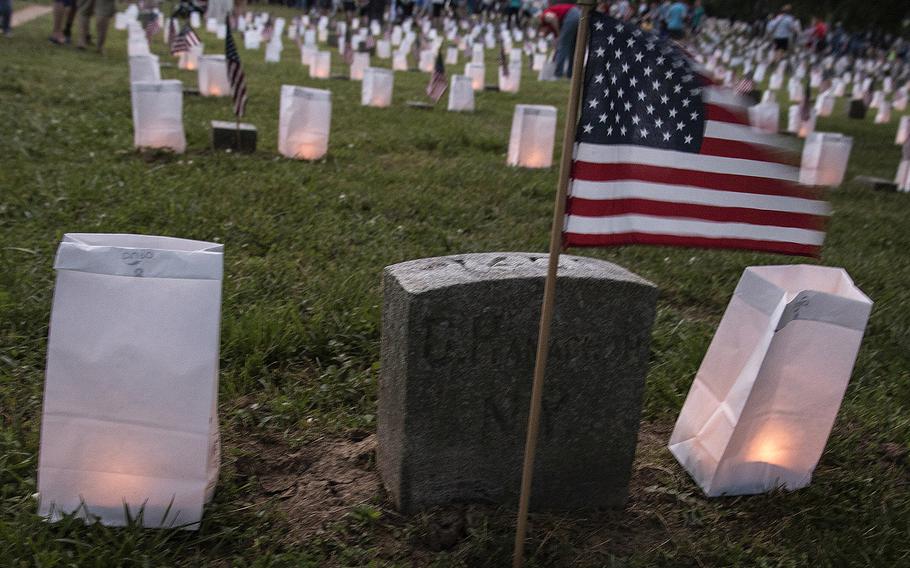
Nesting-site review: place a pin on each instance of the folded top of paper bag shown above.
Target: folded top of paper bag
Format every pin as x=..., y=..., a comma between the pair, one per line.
x=809, y=292
x=140, y=256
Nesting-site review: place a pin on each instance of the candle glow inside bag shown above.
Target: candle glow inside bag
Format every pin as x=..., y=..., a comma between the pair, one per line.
x=377, y=87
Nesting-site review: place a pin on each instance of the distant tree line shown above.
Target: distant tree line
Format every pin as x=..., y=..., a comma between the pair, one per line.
x=856, y=15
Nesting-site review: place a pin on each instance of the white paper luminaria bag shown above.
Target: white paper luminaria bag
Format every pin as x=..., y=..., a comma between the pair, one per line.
x=304, y=122
x=158, y=115
x=762, y=405
x=130, y=399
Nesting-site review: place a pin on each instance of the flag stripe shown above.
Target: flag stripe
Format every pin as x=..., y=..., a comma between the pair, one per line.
x=632, y=154
x=739, y=132
x=724, y=114
x=725, y=148
x=695, y=195
x=659, y=208
x=689, y=228
x=616, y=239
x=587, y=171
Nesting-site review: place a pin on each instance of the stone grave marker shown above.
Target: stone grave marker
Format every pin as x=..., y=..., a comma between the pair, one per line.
x=459, y=336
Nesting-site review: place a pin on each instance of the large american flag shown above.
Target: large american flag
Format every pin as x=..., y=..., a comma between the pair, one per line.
x=665, y=157
x=234, y=71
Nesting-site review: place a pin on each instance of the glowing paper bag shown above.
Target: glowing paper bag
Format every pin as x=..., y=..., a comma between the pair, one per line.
x=158, y=115
x=130, y=399
x=764, y=400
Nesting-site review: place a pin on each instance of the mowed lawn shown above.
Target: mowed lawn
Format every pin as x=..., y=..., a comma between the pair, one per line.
x=305, y=244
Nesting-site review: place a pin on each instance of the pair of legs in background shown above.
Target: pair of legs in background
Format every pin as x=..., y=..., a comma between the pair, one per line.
x=103, y=10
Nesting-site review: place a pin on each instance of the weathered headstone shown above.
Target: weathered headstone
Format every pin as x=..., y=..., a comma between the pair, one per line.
x=231, y=136
x=857, y=109
x=459, y=336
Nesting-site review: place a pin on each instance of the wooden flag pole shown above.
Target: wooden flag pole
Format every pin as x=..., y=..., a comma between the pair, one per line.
x=549, y=294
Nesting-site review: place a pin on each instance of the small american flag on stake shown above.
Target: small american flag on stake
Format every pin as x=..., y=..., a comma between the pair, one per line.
x=664, y=157
x=172, y=36
x=437, y=85
x=189, y=34
x=805, y=105
x=745, y=86
x=152, y=26
x=503, y=62
x=183, y=40
x=348, y=47
x=234, y=71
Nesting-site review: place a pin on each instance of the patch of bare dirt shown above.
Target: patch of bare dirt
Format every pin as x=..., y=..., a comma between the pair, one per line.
x=315, y=485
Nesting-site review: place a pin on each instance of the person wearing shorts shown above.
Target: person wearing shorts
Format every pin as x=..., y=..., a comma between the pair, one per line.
x=103, y=10
x=782, y=29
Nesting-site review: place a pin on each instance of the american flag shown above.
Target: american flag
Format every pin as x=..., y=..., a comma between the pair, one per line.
x=437, y=85
x=503, y=62
x=744, y=86
x=189, y=34
x=152, y=26
x=234, y=71
x=172, y=35
x=185, y=39
x=267, y=29
x=348, y=47
x=665, y=157
x=805, y=105
x=298, y=34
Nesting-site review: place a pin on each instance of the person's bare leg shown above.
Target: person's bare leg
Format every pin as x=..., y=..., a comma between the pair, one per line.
x=57, y=32
x=69, y=16
x=84, y=24
x=101, y=25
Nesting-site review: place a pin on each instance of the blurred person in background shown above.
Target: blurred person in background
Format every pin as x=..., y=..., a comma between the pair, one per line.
x=782, y=29
x=562, y=21
x=698, y=16
x=6, y=17
x=675, y=18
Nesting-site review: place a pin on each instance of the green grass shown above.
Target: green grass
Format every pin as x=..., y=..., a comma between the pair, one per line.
x=305, y=245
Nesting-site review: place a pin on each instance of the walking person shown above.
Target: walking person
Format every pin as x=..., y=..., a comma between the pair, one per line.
x=782, y=29
x=6, y=17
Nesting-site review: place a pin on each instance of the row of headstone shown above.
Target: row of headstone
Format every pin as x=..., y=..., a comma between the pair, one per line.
x=825, y=155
